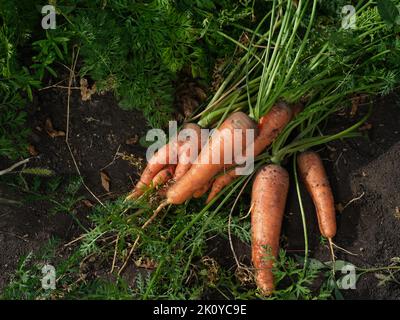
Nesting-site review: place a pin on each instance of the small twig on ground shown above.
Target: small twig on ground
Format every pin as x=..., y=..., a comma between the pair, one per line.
x=115, y=254
x=58, y=86
x=14, y=235
x=15, y=165
x=51, y=86
x=75, y=240
x=116, y=156
x=338, y=158
x=10, y=201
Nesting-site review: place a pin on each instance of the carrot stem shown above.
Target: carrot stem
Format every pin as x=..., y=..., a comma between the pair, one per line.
x=303, y=216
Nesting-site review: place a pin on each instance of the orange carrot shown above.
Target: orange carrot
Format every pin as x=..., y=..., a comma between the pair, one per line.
x=268, y=201
x=316, y=181
x=221, y=182
x=270, y=125
x=162, y=158
x=211, y=159
x=199, y=193
x=163, y=176
x=185, y=156
x=159, y=160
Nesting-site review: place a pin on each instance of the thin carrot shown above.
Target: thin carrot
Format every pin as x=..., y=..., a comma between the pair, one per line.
x=159, y=160
x=188, y=151
x=200, y=192
x=177, y=149
x=313, y=174
x=221, y=182
x=268, y=200
x=163, y=176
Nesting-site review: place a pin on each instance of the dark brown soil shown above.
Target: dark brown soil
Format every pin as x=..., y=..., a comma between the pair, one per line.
x=98, y=129
x=368, y=166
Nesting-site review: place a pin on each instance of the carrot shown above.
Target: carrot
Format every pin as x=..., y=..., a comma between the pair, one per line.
x=211, y=159
x=162, y=158
x=199, y=193
x=163, y=176
x=221, y=182
x=270, y=125
x=316, y=181
x=268, y=200
x=159, y=160
x=185, y=156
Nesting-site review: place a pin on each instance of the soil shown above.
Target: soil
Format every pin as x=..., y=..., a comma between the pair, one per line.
x=98, y=132
x=363, y=170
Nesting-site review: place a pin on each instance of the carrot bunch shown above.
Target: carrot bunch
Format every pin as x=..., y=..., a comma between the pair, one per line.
x=210, y=169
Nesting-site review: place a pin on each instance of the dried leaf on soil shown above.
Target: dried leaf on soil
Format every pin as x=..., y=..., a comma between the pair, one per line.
x=146, y=263
x=365, y=127
x=105, y=181
x=48, y=126
x=32, y=150
x=87, y=203
x=133, y=140
x=397, y=213
x=86, y=92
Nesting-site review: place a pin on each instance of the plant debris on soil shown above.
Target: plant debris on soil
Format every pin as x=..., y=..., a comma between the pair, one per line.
x=363, y=172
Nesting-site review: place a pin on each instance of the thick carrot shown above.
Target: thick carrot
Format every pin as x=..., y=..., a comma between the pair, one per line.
x=316, y=181
x=268, y=201
x=163, y=176
x=270, y=125
x=212, y=157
